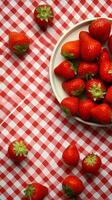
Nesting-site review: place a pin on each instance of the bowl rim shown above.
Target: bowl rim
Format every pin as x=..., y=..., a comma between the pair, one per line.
x=50, y=69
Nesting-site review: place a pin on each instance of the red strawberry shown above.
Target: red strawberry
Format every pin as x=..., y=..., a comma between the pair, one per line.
x=74, y=87
x=72, y=186
x=18, y=43
x=100, y=29
x=70, y=105
x=43, y=15
x=110, y=44
x=71, y=155
x=89, y=47
x=87, y=70
x=35, y=191
x=85, y=107
x=95, y=89
x=71, y=49
x=66, y=69
x=17, y=150
x=102, y=113
x=105, y=66
x=108, y=96
x=91, y=164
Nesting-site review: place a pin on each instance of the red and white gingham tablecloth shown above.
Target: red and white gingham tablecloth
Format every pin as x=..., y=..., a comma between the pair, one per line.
x=29, y=109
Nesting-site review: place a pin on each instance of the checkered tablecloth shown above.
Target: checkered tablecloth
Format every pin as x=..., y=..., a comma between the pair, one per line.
x=29, y=109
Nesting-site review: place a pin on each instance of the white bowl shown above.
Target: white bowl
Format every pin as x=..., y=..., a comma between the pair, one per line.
x=56, y=58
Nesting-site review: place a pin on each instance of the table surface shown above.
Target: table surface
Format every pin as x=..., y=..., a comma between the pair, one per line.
x=30, y=110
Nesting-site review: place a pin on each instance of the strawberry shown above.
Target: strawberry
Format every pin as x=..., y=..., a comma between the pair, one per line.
x=71, y=49
x=66, y=69
x=95, y=89
x=91, y=164
x=100, y=29
x=18, y=43
x=110, y=44
x=71, y=155
x=43, y=15
x=17, y=150
x=85, y=107
x=74, y=87
x=102, y=113
x=87, y=70
x=35, y=191
x=105, y=66
x=70, y=105
x=72, y=186
x=108, y=96
x=89, y=47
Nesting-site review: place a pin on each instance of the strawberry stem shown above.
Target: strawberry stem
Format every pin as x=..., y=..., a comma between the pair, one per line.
x=20, y=148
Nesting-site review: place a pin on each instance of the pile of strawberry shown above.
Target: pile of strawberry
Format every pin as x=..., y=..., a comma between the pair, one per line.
x=88, y=83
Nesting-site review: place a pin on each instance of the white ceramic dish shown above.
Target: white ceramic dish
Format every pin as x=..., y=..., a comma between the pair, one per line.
x=56, y=58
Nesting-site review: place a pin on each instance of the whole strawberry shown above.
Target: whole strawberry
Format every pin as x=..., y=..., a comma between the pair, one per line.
x=18, y=43
x=17, y=150
x=85, y=107
x=87, y=70
x=43, y=15
x=105, y=66
x=100, y=29
x=74, y=87
x=70, y=105
x=35, y=191
x=66, y=69
x=71, y=49
x=71, y=155
x=110, y=44
x=72, y=186
x=108, y=96
x=89, y=47
x=91, y=164
x=95, y=89
x=102, y=113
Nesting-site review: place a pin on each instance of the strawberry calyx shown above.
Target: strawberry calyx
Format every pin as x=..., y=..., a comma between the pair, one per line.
x=88, y=76
x=44, y=12
x=68, y=191
x=21, y=49
x=77, y=92
x=68, y=55
x=74, y=67
x=29, y=191
x=20, y=148
x=96, y=91
x=66, y=110
x=90, y=160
